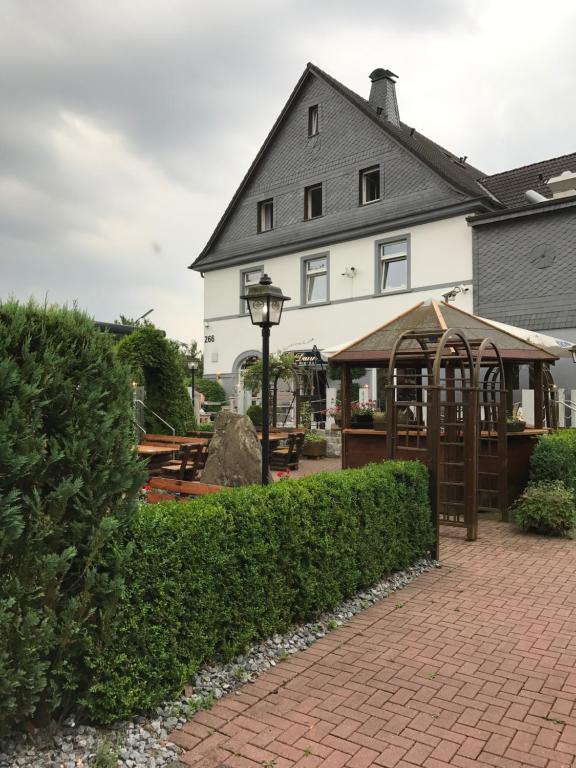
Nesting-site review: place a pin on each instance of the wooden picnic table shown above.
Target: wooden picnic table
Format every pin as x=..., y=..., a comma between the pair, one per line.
x=148, y=449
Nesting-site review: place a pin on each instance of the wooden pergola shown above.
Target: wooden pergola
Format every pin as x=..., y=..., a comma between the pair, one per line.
x=443, y=387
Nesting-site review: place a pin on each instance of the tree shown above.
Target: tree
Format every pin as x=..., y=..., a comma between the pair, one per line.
x=68, y=486
x=190, y=353
x=156, y=365
x=213, y=392
x=282, y=368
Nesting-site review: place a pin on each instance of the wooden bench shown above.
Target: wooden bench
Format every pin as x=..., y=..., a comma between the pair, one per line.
x=166, y=489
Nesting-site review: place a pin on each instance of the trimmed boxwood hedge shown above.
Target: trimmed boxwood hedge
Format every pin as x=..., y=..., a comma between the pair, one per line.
x=554, y=458
x=210, y=575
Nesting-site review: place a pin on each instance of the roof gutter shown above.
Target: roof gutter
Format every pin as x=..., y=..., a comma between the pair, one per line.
x=547, y=206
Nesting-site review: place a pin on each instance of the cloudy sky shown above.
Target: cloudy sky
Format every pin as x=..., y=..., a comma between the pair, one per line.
x=126, y=125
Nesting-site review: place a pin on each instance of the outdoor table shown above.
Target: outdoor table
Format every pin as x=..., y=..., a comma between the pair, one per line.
x=148, y=449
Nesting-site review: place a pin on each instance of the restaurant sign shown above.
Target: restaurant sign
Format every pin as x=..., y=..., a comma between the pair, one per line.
x=309, y=357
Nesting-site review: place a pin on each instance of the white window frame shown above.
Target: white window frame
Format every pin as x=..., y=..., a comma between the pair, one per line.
x=383, y=260
x=263, y=206
x=308, y=201
x=375, y=169
x=244, y=285
x=307, y=273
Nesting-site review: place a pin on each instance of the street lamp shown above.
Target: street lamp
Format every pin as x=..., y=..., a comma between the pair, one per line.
x=265, y=303
x=192, y=366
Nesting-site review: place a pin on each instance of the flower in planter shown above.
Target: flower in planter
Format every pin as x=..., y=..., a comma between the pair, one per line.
x=363, y=409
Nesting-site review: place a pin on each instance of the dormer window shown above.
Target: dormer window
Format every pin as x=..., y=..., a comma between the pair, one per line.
x=313, y=125
x=265, y=215
x=370, y=185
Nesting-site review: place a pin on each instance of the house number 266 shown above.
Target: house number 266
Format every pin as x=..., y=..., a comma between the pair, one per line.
x=209, y=339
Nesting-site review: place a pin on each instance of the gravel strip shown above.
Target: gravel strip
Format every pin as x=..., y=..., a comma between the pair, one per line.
x=143, y=741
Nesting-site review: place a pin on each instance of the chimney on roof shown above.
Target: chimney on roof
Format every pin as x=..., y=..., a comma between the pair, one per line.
x=563, y=185
x=383, y=95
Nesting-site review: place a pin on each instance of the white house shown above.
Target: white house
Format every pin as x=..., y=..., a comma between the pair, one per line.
x=353, y=214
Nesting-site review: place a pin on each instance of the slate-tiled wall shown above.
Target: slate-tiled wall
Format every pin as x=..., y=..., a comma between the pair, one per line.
x=525, y=270
x=348, y=142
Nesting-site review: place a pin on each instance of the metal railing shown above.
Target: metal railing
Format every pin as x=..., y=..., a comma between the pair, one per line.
x=143, y=404
x=571, y=406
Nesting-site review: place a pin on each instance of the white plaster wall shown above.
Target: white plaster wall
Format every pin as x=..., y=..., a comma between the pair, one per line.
x=440, y=255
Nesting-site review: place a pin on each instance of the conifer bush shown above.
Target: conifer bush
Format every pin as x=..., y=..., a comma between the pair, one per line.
x=155, y=363
x=69, y=479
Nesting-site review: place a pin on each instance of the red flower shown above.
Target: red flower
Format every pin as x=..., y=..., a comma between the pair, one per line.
x=146, y=487
x=279, y=474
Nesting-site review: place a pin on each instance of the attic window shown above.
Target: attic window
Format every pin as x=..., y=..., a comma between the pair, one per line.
x=313, y=201
x=313, y=124
x=370, y=185
x=265, y=215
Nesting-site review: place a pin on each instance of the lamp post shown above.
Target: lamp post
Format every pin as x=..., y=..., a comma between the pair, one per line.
x=265, y=303
x=192, y=366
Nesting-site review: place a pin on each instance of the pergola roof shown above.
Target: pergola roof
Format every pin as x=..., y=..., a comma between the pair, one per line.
x=437, y=316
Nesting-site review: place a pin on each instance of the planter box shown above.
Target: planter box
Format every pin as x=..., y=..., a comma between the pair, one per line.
x=361, y=421
x=314, y=449
x=516, y=426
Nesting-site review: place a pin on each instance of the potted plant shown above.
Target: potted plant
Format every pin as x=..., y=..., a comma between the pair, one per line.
x=314, y=446
x=379, y=420
x=362, y=414
x=515, y=424
x=336, y=414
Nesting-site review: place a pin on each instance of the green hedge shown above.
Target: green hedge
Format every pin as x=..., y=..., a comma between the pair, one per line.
x=547, y=508
x=213, y=392
x=155, y=363
x=554, y=458
x=69, y=479
x=210, y=575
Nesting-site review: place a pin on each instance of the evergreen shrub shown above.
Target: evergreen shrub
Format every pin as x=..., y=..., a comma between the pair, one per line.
x=254, y=413
x=213, y=392
x=155, y=362
x=210, y=575
x=69, y=478
x=547, y=508
x=554, y=458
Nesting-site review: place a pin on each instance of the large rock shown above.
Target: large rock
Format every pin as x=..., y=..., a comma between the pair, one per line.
x=235, y=454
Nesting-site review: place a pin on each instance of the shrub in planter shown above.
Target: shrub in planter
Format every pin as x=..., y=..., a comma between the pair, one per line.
x=379, y=420
x=314, y=445
x=554, y=458
x=514, y=424
x=548, y=508
x=254, y=413
x=209, y=576
x=69, y=480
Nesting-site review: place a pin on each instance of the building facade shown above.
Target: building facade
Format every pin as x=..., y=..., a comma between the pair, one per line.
x=357, y=217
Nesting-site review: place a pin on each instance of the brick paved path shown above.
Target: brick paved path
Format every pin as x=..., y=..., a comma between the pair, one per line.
x=473, y=664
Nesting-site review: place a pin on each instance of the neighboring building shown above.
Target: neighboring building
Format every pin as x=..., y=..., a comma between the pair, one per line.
x=525, y=256
x=354, y=214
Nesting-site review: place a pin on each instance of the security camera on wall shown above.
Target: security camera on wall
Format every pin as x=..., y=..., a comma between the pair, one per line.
x=349, y=272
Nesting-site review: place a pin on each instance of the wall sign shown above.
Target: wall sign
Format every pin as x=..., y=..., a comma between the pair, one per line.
x=209, y=339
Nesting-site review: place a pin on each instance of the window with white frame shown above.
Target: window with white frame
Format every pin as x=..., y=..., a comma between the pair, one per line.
x=265, y=215
x=370, y=185
x=249, y=277
x=393, y=266
x=316, y=280
x=313, y=123
x=313, y=201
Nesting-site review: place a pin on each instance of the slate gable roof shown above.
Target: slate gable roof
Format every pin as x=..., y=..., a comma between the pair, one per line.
x=458, y=173
x=509, y=186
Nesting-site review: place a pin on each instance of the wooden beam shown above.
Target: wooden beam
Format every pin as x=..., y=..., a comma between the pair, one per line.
x=538, y=395
x=346, y=395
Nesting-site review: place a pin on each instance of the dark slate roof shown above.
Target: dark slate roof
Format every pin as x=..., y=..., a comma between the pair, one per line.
x=115, y=328
x=509, y=187
x=452, y=169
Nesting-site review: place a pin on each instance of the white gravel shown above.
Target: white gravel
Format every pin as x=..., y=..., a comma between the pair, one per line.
x=143, y=741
